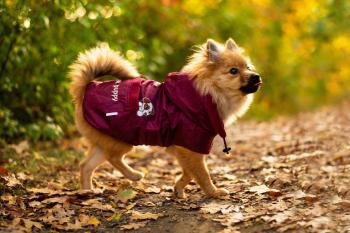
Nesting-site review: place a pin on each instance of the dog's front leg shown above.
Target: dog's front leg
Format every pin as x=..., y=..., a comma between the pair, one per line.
x=181, y=183
x=194, y=166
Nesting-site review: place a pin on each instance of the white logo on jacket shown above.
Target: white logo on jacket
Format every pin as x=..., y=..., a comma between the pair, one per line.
x=115, y=90
x=145, y=107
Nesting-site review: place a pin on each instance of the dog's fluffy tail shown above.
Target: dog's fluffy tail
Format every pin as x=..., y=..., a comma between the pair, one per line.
x=95, y=63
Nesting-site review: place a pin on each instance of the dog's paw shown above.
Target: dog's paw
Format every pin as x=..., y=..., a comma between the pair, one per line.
x=136, y=176
x=180, y=194
x=220, y=192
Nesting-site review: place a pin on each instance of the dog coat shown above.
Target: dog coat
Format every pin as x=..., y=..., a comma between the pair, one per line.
x=146, y=112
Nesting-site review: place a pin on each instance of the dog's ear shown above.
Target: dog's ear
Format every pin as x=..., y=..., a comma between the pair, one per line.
x=212, y=50
x=231, y=44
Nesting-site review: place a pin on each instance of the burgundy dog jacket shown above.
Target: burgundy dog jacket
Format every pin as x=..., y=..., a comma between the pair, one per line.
x=146, y=112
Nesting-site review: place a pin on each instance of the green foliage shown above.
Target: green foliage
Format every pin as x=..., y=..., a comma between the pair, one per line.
x=300, y=48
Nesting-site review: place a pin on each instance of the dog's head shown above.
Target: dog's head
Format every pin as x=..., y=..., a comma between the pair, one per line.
x=231, y=67
x=225, y=67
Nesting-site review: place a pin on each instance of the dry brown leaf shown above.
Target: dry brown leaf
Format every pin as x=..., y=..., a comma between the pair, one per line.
x=310, y=198
x=85, y=220
x=95, y=203
x=321, y=222
x=152, y=190
x=28, y=224
x=133, y=226
x=93, y=221
x=230, y=219
x=8, y=198
x=213, y=207
x=259, y=189
x=345, y=204
x=12, y=181
x=20, y=147
x=274, y=193
x=4, y=171
x=136, y=215
x=35, y=204
x=60, y=200
x=41, y=190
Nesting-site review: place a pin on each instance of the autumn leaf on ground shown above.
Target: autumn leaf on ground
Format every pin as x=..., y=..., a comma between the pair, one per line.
x=87, y=220
x=8, y=198
x=215, y=207
x=94, y=221
x=115, y=217
x=261, y=189
x=29, y=224
x=126, y=195
x=21, y=147
x=136, y=215
x=95, y=203
x=229, y=219
x=3, y=171
x=152, y=190
x=133, y=226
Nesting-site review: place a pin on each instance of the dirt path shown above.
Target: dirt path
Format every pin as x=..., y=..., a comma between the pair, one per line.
x=287, y=175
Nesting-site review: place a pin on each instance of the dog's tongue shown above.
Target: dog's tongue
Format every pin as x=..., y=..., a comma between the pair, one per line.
x=258, y=84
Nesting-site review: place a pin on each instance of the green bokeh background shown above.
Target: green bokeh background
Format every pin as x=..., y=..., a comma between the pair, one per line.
x=301, y=49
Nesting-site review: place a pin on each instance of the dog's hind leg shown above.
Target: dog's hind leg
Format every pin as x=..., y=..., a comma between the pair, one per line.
x=116, y=158
x=94, y=159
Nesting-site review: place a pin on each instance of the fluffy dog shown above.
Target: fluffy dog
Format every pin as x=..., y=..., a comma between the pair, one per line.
x=183, y=114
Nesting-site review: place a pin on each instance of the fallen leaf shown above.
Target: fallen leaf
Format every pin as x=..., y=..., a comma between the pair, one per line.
x=95, y=203
x=126, y=195
x=152, y=190
x=41, y=190
x=345, y=204
x=28, y=224
x=12, y=181
x=213, y=207
x=259, y=189
x=115, y=217
x=274, y=193
x=55, y=200
x=136, y=215
x=8, y=198
x=20, y=147
x=4, y=171
x=93, y=221
x=230, y=219
x=133, y=226
x=310, y=198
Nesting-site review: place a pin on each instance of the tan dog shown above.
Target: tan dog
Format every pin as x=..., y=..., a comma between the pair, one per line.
x=221, y=71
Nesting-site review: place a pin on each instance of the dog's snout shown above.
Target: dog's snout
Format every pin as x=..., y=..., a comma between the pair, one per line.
x=254, y=78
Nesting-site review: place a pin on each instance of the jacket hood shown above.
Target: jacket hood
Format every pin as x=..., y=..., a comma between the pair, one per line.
x=201, y=109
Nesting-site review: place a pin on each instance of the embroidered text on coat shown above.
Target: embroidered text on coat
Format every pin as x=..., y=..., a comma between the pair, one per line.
x=115, y=90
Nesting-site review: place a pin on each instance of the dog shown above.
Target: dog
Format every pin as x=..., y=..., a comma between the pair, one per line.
x=183, y=114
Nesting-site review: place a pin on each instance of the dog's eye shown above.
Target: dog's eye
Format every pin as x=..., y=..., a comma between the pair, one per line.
x=234, y=71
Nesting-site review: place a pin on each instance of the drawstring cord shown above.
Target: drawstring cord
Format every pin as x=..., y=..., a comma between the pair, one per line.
x=226, y=149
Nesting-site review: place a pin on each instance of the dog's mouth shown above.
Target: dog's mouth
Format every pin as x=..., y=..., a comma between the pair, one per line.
x=251, y=87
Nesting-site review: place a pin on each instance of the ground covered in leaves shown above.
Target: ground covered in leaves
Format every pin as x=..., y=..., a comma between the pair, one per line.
x=286, y=175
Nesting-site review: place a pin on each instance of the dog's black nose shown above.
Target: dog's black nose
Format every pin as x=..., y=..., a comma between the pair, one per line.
x=254, y=78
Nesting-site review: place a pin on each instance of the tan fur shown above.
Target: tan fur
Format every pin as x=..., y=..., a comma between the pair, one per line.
x=210, y=78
